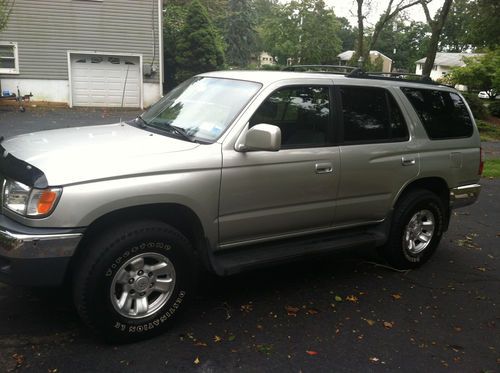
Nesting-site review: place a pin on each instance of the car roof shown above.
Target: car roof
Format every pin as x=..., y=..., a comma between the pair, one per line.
x=266, y=77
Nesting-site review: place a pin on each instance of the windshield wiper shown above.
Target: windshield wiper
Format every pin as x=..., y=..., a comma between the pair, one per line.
x=179, y=131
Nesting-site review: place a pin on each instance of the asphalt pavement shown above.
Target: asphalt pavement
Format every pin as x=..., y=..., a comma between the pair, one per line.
x=341, y=313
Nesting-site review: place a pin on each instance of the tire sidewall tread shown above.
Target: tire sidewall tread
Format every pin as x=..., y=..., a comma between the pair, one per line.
x=93, y=278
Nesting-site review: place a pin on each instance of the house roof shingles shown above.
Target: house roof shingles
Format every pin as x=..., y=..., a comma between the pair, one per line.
x=450, y=59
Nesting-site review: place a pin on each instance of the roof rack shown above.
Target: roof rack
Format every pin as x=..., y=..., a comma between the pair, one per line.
x=356, y=72
x=341, y=69
x=360, y=73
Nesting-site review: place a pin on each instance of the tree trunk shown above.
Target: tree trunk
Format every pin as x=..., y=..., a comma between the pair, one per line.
x=436, y=27
x=360, y=47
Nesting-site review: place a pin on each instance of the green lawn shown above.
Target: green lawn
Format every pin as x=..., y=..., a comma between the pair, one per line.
x=491, y=168
x=488, y=131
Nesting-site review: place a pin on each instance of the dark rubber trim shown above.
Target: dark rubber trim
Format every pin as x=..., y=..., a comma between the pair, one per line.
x=21, y=171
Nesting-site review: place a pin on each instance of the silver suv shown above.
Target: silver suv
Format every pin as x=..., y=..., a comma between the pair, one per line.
x=230, y=171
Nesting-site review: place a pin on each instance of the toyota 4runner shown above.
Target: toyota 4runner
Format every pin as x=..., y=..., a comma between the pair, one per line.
x=230, y=171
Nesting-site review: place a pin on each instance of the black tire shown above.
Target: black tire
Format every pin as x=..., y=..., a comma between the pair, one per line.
x=95, y=280
x=396, y=251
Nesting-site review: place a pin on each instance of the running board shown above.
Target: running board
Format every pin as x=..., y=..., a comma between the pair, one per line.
x=231, y=261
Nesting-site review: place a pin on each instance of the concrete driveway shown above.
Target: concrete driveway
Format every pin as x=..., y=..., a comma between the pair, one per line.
x=341, y=313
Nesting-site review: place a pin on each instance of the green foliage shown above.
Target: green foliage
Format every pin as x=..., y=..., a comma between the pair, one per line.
x=173, y=24
x=198, y=47
x=5, y=10
x=488, y=131
x=480, y=73
x=240, y=34
x=494, y=108
x=484, y=29
x=476, y=106
x=491, y=168
x=304, y=30
x=408, y=39
x=347, y=34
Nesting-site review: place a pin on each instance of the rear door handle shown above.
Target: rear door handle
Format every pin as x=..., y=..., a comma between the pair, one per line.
x=324, y=168
x=408, y=161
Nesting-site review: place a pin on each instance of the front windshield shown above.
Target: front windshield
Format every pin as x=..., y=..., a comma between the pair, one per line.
x=201, y=107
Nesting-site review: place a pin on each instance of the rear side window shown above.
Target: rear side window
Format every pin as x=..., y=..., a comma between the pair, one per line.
x=443, y=114
x=371, y=115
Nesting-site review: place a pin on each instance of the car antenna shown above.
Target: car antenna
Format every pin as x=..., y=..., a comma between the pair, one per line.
x=123, y=94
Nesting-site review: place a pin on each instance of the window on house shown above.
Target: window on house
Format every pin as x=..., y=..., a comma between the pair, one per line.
x=9, y=61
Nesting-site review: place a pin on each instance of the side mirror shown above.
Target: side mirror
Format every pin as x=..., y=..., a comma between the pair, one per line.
x=262, y=137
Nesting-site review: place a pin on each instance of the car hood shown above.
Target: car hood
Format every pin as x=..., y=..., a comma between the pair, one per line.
x=73, y=155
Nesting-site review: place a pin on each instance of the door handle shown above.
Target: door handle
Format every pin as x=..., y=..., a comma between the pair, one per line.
x=408, y=161
x=324, y=168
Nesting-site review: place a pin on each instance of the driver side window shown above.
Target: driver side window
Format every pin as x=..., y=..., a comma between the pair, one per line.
x=301, y=112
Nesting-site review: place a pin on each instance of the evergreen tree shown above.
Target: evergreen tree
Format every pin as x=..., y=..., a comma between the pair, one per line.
x=241, y=37
x=198, y=47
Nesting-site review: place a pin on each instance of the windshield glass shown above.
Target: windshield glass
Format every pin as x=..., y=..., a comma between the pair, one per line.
x=201, y=107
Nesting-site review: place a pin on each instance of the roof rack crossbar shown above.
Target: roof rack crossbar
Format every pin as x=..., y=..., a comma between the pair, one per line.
x=319, y=68
x=359, y=73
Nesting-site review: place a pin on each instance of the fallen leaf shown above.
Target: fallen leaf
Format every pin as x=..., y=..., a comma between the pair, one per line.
x=457, y=328
x=217, y=339
x=338, y=298
x=374, y=359
x=246, y=308
x=292, y=311
x=311, y=353
x=482, y=269
x=200, y=344
x=388, y=325
x=197, y=360
x=369, y=322
x=396, y=296
x=352, y=298
x=265, y=348
x=231, y=338
x=456, y=348
x=312, y=311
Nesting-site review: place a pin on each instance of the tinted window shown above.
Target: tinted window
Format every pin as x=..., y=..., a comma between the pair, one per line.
x=443, y=114
x=371, y=115
x=302, y=114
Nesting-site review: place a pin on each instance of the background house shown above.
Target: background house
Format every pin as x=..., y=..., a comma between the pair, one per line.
x=80, y=52
x=346, y=56
x=443, y=63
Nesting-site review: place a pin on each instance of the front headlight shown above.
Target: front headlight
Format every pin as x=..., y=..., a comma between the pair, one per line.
x=28, y=201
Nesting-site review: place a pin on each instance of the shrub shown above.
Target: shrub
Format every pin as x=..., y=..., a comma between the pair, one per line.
x=494, y=108
x=476, y=105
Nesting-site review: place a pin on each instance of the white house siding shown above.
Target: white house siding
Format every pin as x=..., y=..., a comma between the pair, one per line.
x=45, y=30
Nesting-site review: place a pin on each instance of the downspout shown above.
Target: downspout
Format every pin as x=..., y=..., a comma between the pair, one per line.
x=160, y=43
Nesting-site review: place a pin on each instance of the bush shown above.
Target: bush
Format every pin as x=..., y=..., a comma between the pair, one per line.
x=494, y=108
x=476, y=105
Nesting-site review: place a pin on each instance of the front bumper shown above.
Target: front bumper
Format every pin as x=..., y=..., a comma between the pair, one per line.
x=35, y=256
x=464, y=195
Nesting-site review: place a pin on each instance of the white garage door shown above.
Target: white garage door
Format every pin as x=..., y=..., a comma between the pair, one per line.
x=99, y=80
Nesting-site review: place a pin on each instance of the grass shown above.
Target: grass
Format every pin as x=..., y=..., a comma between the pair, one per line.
x=491, y=168
x=488, y=131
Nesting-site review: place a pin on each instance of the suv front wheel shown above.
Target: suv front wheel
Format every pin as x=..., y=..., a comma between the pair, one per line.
x=417, y=227
x=134, y=280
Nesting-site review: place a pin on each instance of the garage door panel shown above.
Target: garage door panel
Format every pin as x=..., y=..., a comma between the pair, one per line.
x=99, y=80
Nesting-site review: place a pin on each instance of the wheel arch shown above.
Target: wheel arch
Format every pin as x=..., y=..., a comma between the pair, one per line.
x=178, y=216
x=436, y=185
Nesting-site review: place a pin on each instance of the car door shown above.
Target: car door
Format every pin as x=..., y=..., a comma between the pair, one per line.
x=266, y=195
x=377, y=154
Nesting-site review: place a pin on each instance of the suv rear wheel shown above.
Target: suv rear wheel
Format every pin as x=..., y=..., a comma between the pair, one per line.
x=134, y=280
x=417, y=227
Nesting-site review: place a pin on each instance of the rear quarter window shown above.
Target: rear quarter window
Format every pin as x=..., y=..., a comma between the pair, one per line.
x=443, y=114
